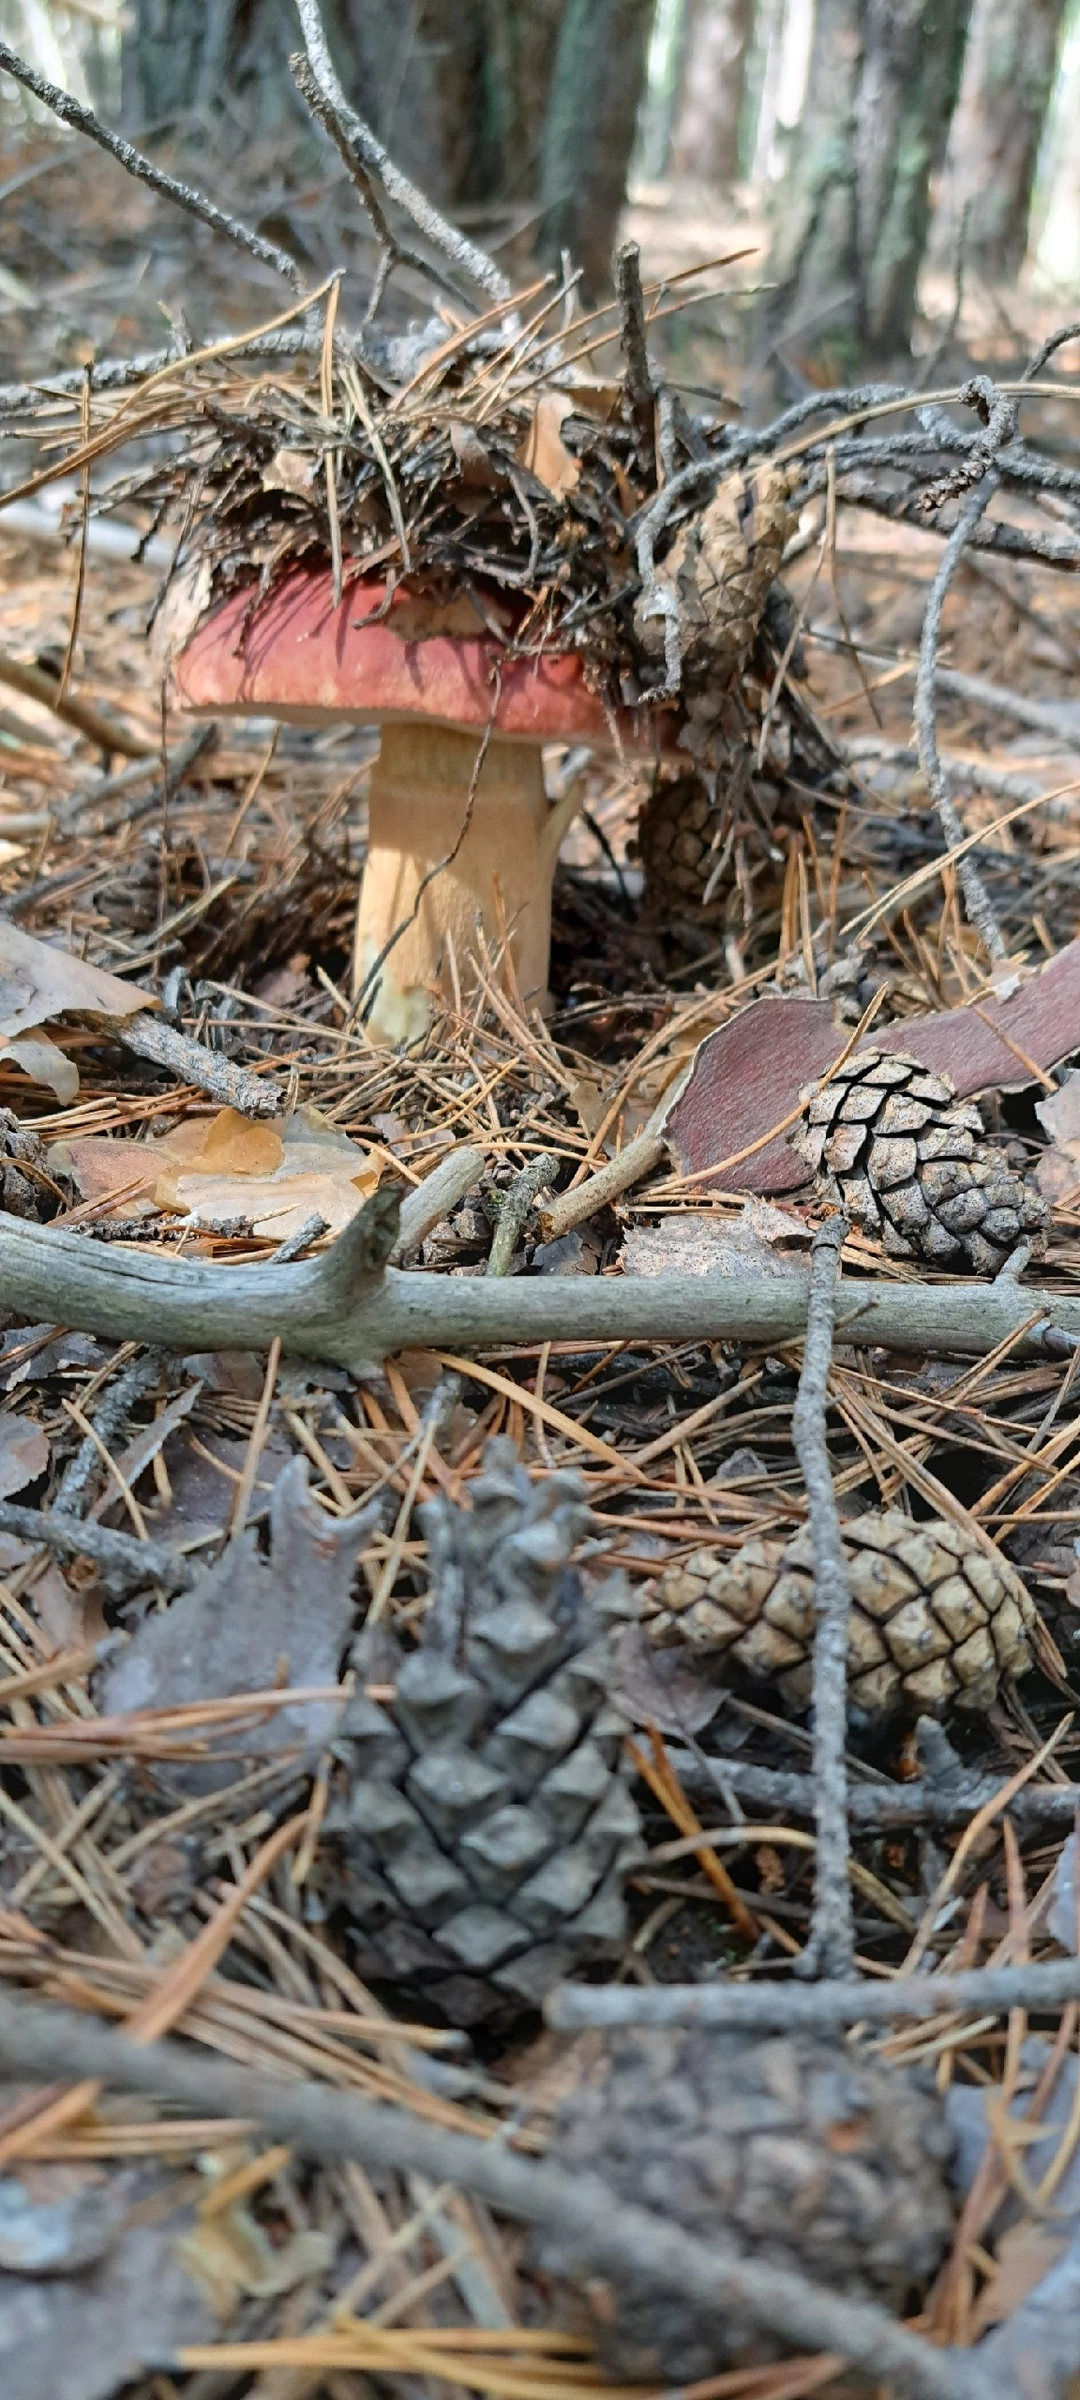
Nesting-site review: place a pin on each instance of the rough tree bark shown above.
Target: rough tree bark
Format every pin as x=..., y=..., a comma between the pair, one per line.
x=589, y=131
x=850, y=214
x=705, y=140
x=1010, y=62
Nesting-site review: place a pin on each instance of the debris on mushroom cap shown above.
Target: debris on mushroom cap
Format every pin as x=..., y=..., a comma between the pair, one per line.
x=380, y=654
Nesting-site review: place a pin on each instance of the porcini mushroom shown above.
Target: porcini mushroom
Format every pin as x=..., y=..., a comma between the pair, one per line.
x=461, y=838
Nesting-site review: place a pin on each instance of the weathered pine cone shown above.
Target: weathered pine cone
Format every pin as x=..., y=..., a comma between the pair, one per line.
x=795, y=2151
x=484, y=1813
x=935, y=1621
x=675, y=845
x=22, y=1194
x=893, y=1146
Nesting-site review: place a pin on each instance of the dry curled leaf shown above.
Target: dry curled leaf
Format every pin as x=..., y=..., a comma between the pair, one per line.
x=276, y=1172
x=544, y=451
x=252, y=1623
x=39, y=981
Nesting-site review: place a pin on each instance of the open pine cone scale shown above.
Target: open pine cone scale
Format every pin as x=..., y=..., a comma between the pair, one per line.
x=936, y=1621
x=891, y=1145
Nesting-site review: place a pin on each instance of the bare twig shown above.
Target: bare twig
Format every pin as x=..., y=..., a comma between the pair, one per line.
x=209, y=1070
x=110, y=1418
x=514, y=1208
x=926, y=1802
x=999, y=418
x=640, y=389
x=603, y=2234
x=820, y=2007
x=586, y=1199
x=73, y=112
x=433, y=1199
x=394, y=252
x=831, y=1946
x=36, y=683
x=380, y=168
x=338, y=1307
x=124, y=1562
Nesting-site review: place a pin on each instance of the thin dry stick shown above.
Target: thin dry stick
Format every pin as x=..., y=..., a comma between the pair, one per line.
x=381, y=168
x=209, y=1070
x=1000, y=420
x=597, y=2232
x=72, y=112
x=831, y=1946
x=514, y=1208
x=640, y=389
x=820, y=2007
x=393, y=252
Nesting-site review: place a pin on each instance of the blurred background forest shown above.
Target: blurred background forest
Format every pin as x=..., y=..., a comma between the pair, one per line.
x=895, y=170
x=886, y=164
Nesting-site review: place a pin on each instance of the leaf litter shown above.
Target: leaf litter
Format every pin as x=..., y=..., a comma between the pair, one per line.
x=239, y=877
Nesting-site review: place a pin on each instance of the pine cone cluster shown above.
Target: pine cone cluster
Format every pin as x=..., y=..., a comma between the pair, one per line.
x=934, y=1621
x=906, y=1160
x=795, y=2151
x=484, y=1816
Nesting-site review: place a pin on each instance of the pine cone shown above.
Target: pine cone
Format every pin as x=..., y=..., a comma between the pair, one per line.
x=934, y=1619
x=893, y=1146
x=674, y=842
x=489, y=1821
x=797, y=2152
x=21, y=1194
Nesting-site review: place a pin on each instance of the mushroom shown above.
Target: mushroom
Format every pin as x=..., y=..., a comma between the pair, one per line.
x=461, y=835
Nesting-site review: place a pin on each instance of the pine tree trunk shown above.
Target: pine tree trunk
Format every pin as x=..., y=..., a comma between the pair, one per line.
x=589, y=134
x=705, y=143
x=1009, y=67
x=850, y=215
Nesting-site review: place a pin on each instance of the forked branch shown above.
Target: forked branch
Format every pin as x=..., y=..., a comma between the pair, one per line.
x=346, y=1307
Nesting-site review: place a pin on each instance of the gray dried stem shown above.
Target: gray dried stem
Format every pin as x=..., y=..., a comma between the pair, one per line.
x=878, y=1805
x=640, y=389
x=831, y=1946
x=73, y=112
x=816, y=2008
x=514, y=1210
x=364, y=147
x=606, y=2236
x=393, y=252
x=999, y=418
x=209, y=1070
x=342, y=1308
x=123, y=1563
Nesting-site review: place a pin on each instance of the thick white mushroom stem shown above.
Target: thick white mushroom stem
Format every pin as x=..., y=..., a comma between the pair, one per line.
x=494, y=890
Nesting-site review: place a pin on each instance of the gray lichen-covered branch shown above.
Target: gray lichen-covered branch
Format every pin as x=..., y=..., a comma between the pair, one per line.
x=348, y=1308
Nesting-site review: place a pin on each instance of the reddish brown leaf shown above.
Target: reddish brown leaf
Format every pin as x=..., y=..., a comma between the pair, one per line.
x=746, y=1078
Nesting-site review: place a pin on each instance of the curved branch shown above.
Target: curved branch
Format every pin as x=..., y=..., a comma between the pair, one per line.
x=346, y=1308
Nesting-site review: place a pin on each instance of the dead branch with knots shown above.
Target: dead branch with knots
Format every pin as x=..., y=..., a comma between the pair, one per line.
x=349, y=1308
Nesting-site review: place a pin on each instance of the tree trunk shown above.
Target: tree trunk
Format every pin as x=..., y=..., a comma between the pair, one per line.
x=589, y=134
x=705, y=144
x=1008, y=78
x=851, y=213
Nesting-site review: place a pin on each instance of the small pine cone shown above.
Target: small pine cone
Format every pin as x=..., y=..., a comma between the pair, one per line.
x=794, y=2151
x=21, y=1194
x=674, y=840
x=935, y=1621
x=486, y=1819
x=893, y=1146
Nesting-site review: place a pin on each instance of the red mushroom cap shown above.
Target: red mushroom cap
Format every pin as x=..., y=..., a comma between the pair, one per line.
x=300, y=655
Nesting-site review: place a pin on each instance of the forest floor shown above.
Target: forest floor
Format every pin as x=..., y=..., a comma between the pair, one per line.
x=226, y=2264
